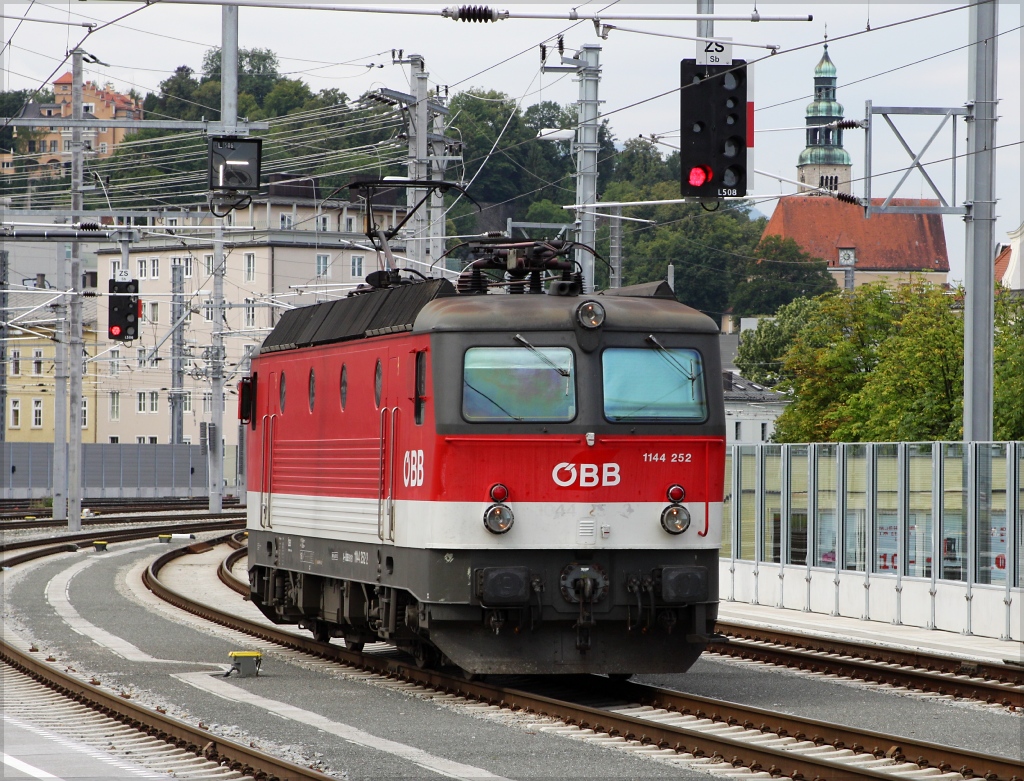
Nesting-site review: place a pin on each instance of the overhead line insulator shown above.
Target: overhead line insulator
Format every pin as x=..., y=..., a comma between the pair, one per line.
x=847, y=198
x=474, y=13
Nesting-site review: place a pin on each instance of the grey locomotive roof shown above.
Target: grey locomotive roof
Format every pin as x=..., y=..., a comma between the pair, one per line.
x=556, y=313
x=434, y=306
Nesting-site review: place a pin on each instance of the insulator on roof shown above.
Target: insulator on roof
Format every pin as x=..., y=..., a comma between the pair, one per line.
x=847, y=198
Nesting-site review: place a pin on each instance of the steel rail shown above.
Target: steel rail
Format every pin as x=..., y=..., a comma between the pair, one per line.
x=41, y=548
x=195, y=739
x=100, y=520
x=988, y=682
x=680, y=738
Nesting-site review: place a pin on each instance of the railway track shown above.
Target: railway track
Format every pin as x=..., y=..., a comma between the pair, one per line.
x=32, y=518
x=64, y=702
x=663, y=723
x=995, y=684
x=680, y=728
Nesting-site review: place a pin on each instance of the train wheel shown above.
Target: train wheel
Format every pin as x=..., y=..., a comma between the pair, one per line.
x=322, y=632
x=425, y=656
x=356, y=646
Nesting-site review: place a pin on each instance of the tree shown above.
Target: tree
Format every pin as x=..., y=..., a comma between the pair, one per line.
x=640, y=163
x=761, y=350
x=287, y=95
x=915, y=392
x=257, y=71
x=1008, y=367
x=831, y=358
x=778, y=273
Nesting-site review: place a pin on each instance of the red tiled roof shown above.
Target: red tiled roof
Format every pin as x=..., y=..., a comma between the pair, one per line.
x=1002, y=263
x=883, y=242
x=65, y=79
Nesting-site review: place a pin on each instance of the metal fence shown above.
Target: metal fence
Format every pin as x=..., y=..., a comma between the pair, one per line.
x=111, y=471
x=926, y=534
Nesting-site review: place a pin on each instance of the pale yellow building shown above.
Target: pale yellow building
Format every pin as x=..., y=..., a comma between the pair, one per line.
x=31, y=370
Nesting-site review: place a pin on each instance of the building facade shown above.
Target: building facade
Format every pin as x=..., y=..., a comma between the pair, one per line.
x=49, y=145
x=280, y=252
x=30, y=370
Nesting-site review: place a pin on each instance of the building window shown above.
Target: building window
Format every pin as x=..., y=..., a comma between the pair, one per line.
x=15, y=413
x=114, y=440
x=140, y=440
x=85, y=412
x=764, y=432
x=186, y=401
x=115, y=362
x=739, y=430
x=143, y=267
x=322, y=265
x=115, y=266
x=208, y=265
x=208, y=311
x=172, y=221
x=154, y=312
x=152, y=440
x=286, y=222
x=250, y=267
x=357, y=267
x=323, y=222
x=154, y=357
x=53, y=146
x=187, y=263
x=186, y=440
x=154, y=268
x=67, y=145
x=207, y=402
x=115, y=405
x=140, y=402
x=141, y=355
x=154, y=401
x=250, y=314
x=350, y=225
x=15, y=362
x=37, y=362
x=37, y=413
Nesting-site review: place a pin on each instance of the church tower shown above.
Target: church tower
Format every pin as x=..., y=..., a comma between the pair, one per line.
x=824, y=163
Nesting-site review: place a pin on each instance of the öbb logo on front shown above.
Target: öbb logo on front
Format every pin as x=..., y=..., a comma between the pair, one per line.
x=585, y=475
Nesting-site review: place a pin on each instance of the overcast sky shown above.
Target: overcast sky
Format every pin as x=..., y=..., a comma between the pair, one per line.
x=908, y=63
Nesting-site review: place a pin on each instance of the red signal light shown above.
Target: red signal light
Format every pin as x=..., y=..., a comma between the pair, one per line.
x=699, y=176
x=115, y=330
x=499, y=493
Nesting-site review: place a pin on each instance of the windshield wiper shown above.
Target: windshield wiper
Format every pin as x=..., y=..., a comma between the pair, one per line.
x=671, y=359
x=564, y=372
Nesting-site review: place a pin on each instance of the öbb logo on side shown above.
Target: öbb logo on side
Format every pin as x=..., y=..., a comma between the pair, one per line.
x=412, y=468
x=585, y=475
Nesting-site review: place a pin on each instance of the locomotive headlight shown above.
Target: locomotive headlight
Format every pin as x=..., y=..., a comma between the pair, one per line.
x=498, y=519
x=590, y=314
x=675, y=519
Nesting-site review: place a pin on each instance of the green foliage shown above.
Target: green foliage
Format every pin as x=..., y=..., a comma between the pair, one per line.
x=1008, y=365
x=881, y=365
x=640, y=164
x=780, y=273
x=288, y=95
x=916, y=390
x=257, y=71
x=759, y=357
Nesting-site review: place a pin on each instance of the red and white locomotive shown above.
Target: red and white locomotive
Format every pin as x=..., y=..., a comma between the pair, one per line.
x=528, y=482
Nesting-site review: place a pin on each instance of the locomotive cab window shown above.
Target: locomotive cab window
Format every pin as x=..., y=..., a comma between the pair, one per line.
x=653, y=383
x=502, y=384
x=282, y=391
x=420, y=391
x=312, y=389
x=344, y=386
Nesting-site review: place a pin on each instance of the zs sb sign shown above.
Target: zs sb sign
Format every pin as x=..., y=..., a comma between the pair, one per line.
x=585, y=475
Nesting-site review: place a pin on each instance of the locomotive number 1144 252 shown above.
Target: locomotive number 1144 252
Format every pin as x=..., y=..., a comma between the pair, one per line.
x=674, y=458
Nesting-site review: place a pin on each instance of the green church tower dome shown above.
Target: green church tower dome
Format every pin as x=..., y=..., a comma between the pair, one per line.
x=824, y=144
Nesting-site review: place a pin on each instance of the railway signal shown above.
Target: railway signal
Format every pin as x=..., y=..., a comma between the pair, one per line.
x=716, y=129
x=123, y=310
